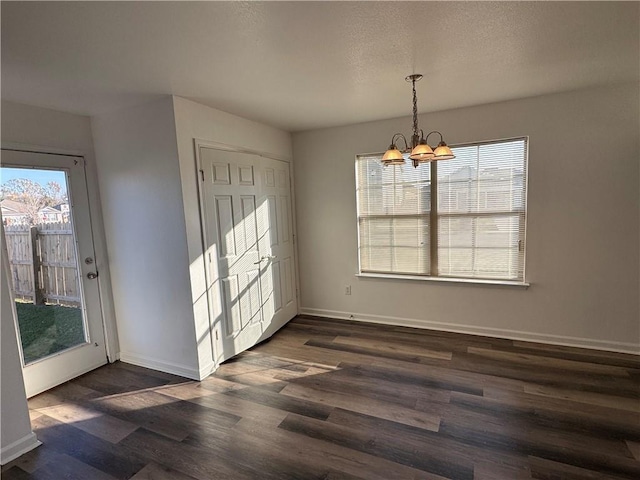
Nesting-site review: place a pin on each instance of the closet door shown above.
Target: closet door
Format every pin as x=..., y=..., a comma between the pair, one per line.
x=275, y=234
x=249, y=262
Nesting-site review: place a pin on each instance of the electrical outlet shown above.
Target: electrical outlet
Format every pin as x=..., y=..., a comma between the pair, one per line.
x=347, y=290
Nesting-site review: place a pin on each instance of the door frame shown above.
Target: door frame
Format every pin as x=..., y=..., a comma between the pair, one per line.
x=99, y=239
x=197, y=143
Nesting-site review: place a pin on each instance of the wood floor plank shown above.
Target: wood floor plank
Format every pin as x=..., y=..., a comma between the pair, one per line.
x=555, y=448
x=15, y=473
x=283, y=456
x=201, y=463
x=378, y=350
x=550, y=376
x=145, y=409
x=108, y=428
x=283, y=402
x=397, y=449
x=154, y=471
x=411, y=374
x=35, y=459
x=219, y=385
x=543, y=361
x=443, y=447
x=387, y=345
x=544, y=469
x=349, y=461
x=623, y=403
x=525, y=431
x=634, y=448
x=70, y=391
x=610, y=357
x=557, y=413
x=70, y=469
x=114, y=380
x=62, y=438
x=365, y=405
x=415, y=339
x=490, y=471
x=186, y=391
x=245, y=409
x=349, y=380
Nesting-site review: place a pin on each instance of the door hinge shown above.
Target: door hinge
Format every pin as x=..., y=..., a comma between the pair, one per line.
x=202, y=175
x=216, y=335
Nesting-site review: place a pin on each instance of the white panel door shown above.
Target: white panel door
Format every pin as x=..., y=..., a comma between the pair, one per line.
x=246, y=304
x=53, y=271
x=275, y=233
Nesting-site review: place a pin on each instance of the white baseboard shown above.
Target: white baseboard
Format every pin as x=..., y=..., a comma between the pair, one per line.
x=611, y=346
x=160, y=365
x=19, y=447
x=207, y=370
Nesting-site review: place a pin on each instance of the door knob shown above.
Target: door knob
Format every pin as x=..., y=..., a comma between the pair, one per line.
x=265, y=257
x=92, y=275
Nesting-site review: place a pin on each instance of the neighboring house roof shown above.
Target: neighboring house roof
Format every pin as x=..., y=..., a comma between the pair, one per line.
x=11, y=207
x=49, y=210
x=62, y=207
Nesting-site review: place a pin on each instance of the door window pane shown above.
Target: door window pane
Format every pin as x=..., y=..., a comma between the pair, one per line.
x=43, y=262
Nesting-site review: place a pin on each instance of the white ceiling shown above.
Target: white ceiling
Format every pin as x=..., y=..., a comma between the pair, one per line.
x=304, y=65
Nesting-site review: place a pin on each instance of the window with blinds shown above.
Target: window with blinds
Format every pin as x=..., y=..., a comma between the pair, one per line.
x=394, y=213
x=475, y=229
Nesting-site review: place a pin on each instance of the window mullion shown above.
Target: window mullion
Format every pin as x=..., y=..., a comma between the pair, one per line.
x=433, y=220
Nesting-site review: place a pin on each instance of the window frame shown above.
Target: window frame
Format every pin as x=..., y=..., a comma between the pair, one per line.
x=434, y=224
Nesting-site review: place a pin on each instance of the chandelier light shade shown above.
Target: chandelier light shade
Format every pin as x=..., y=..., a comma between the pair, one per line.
x=393, y=156
x=443, y=152
x=420, y=150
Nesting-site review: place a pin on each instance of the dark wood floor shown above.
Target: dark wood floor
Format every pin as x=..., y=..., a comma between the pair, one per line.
x=338, y=400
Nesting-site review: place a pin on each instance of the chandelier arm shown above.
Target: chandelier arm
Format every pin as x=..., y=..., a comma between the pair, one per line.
x=433, y=131
x=399, y=135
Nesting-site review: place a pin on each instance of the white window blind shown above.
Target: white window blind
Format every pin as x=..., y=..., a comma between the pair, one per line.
x=481, y=211
x=479, y=222
x=393, y=217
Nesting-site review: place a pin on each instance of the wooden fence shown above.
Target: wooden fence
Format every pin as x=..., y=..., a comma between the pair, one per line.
x=43, y=264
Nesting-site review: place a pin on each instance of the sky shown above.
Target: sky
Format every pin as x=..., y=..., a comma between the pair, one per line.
x=40, y=176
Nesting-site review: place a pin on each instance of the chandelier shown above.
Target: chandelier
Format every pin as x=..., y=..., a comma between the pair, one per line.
x=420, y=150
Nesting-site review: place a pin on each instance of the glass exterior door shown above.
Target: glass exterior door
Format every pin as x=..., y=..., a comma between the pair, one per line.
x=47, y=233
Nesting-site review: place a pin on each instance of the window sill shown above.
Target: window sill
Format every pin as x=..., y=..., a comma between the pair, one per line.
x=476, y=281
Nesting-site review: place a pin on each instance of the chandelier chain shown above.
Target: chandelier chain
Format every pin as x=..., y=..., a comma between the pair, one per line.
x=415, y=110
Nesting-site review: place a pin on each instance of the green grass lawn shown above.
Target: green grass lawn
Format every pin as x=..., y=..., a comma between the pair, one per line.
x=47, y=329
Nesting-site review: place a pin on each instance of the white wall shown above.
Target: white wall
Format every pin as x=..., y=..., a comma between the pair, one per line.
x=16, y=436
x=148, y=179
x=139, y=179
x=583, y=224
x=196, y=121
